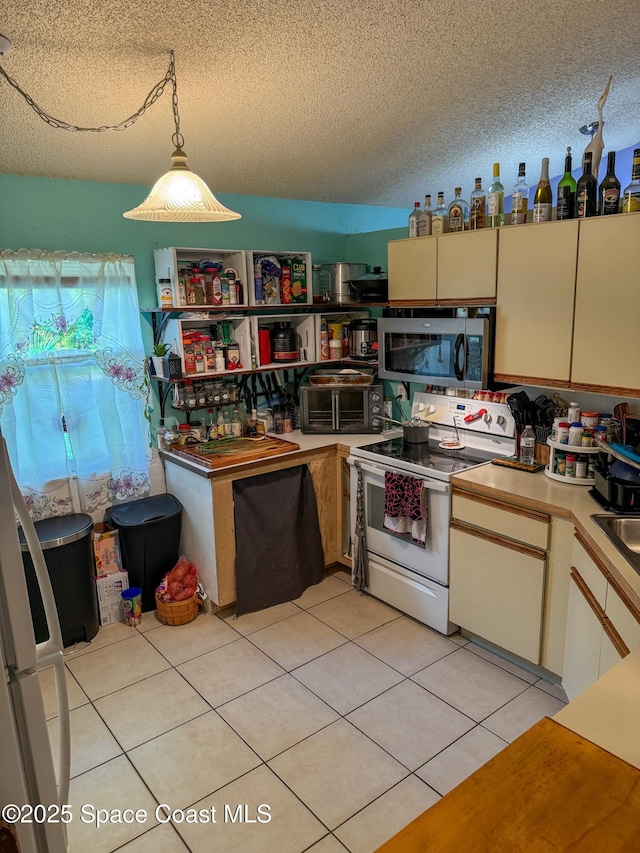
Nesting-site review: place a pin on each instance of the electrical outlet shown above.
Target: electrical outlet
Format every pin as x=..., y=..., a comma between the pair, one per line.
x=401, y=392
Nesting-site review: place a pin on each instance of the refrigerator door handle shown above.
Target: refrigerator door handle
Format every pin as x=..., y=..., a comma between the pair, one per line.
x=49, y=653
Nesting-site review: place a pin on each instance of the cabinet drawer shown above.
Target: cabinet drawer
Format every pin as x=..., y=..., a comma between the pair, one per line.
x=511, y=521
x=497, y=592
x=622, y=619
x=590, y=573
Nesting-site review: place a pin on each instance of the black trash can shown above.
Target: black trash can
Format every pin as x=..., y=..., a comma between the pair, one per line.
x=149, y=541
x=68, y=553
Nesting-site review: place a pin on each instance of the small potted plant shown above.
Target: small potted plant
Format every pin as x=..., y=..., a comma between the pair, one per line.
x=159, y=352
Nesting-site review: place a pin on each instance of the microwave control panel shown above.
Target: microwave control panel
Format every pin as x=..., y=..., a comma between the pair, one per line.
x=474, y=358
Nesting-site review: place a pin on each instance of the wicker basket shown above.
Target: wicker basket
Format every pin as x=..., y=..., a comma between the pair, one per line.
x=178, y=612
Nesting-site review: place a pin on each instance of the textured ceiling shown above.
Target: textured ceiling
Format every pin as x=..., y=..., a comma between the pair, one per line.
x=369, y=101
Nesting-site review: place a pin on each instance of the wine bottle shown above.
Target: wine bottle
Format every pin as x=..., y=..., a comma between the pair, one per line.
x=496, y=199
x=631, y=194
x=414, y=217
x=609, y=190
x=586, y=191
x=424, y=220
x=440, y=219
x=478, y=218
x=542, y=201
x=520, y=198
x=566, y=203
x=458, y=213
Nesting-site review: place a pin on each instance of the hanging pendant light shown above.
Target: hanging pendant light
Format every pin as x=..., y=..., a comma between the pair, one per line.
x=180, y=195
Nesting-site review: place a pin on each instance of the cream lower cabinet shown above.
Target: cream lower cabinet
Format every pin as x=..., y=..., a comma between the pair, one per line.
x=556, y=597
x=602, y=626
x=535, y=301
x=497, y=558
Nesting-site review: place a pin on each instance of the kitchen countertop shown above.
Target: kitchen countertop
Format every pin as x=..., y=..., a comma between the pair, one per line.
x=307, y=443
x=566, y=500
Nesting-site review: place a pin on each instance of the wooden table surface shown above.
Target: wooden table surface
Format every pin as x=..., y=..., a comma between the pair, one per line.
x=551, y=789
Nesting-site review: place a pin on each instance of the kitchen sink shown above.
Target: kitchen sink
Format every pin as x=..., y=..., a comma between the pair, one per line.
x=624, y=533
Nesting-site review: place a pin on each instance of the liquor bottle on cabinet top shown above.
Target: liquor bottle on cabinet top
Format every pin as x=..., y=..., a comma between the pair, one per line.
x=520, y=198
x=566, y=203
x=609, y=191
x=440, y=219
x=458, y=213
x=424, y=220
x=496, y=200
x=543, y=201
x=631, y=194
x=478, y=215
x=586, y=191
x=414, y=217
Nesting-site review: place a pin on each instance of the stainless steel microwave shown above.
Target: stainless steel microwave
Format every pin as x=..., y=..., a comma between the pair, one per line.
x=341, y=408
x=447, y=351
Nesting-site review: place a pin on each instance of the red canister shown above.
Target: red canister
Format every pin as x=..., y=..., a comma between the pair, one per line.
x=264, y=346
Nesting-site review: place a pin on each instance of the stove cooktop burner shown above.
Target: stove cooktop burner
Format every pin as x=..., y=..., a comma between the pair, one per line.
x=430, y=455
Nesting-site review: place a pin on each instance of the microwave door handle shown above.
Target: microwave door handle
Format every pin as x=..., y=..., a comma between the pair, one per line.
x=458, y=346
x=334, y=411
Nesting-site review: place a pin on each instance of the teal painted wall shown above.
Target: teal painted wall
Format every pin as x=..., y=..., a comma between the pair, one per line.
x=50, y=214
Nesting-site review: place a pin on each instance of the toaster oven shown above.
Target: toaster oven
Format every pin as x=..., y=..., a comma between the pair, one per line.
x=340, y=408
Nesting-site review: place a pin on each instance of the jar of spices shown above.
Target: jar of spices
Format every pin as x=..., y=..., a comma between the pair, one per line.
x=600, y=435
x=590, y=420
x=581, y=467
x=606, y=420
x=570, y=469
x=554, y=428
x=561, y=463
x=587, y=438
x=575, y=434
x=574, y=412
x=183, y=434
x=562, y=432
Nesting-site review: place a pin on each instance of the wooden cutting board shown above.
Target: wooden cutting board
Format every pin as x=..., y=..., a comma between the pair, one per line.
x=234, y=450
x=550, y=790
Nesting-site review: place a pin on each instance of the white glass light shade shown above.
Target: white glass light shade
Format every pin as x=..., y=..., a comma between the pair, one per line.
x=181, y=196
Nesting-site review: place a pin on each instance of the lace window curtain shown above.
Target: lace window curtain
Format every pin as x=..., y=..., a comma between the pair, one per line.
x=72, y=381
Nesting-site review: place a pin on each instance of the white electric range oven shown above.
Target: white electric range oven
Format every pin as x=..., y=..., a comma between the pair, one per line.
x=406, y=573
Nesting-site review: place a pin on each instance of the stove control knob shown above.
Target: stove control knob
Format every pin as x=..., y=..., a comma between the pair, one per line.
x=501, y=420
x=375, y=410
x=375, y=422
x=375, y=397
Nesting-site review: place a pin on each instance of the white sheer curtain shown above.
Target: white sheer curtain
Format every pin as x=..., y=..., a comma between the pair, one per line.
x=72, y=381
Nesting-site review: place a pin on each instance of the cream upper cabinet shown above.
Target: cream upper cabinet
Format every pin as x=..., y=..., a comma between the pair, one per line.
x=535, y=301
x=412, y=269
x=608, y=305
x=467, y=266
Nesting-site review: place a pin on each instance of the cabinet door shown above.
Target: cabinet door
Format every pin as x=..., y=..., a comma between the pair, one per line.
x=608, y=306
x=534, y=316
x=496, y=590
x=557, y=594
x=467, y=267
x=582, y=644
x=625, y=622
x=609, y=655
x=413, y=269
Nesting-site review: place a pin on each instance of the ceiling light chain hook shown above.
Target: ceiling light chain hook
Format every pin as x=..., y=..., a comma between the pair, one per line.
x=177, y=138
x=151, y=98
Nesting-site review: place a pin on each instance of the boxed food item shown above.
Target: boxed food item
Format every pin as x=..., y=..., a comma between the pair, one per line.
x=110, y=589
x=106, y=550
x=299, y=280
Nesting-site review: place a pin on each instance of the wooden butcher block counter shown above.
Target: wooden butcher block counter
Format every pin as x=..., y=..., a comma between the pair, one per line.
x=551, y=789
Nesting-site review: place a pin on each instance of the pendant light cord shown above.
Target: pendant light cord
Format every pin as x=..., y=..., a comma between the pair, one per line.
x=151, y=98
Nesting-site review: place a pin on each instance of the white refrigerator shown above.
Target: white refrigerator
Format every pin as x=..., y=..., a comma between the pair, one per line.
x=32, y=801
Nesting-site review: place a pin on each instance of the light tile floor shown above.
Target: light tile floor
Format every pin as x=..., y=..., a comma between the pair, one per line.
x=344, y=717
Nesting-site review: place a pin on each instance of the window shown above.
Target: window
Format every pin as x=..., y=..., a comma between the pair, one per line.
x=72, y=380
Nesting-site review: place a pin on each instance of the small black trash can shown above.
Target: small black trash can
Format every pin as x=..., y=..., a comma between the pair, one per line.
x=68, y=553
x=149, y=541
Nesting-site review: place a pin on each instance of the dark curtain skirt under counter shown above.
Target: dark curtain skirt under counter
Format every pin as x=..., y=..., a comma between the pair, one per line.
x=278, y=543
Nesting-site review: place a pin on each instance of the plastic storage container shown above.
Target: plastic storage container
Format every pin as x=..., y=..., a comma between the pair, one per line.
x=149, y=541
x=68, y=553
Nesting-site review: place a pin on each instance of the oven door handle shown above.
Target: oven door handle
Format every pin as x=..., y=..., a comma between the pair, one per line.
x=335, y=411
x=432, y=485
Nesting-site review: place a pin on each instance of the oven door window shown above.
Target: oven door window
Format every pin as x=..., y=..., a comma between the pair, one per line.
x=351, y=416
x=319, y=409
x=375, y=515
x=425, y=354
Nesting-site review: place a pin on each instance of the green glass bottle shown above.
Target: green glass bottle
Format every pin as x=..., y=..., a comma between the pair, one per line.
x=565, y=205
